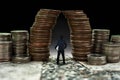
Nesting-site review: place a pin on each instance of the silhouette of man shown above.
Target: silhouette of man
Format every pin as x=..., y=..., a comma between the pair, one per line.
x=61, y=45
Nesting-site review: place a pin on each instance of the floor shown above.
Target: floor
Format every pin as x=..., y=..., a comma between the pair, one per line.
x=51, y=71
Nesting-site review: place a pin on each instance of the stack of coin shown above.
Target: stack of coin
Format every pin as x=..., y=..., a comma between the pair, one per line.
x=99, y=36
x=96, y=59
x=40, y=34
x=112, y=51
x=81, y=34
x=20, y=40
x=115, y=38
x=5, y=47
x=5, y=36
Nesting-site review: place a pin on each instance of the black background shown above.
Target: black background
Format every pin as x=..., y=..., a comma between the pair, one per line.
x=20, y=14
x=16, y=15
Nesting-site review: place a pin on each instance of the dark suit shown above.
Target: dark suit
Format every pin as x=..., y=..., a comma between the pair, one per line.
x=62, y=45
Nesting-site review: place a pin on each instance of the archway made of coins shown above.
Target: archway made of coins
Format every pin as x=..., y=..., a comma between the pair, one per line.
x=40, y=34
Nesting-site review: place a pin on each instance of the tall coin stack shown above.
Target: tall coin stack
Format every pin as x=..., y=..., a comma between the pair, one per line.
x=40, y=34
x=20, y=40
x=5, y=47
x=99, y=36
x=81, y=34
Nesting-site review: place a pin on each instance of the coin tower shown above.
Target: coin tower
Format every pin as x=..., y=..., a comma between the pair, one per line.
x=80, y=35
x=40, y=34
x=5, y=47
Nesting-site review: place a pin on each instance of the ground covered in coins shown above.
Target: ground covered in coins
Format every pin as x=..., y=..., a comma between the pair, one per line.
x=72, y=70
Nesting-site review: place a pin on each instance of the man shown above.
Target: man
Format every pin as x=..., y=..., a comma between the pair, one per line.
x=61, y=45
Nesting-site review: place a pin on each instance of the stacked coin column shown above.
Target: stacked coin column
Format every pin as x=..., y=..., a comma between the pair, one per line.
x=20, y=44
x=97, y=59
x=81, y=34
x=115, y=38
x=5, y=47
x=99, y=36
x=40, y=34
x=112, y=51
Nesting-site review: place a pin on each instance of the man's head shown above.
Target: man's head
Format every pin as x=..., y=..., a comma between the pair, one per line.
x=61, y=36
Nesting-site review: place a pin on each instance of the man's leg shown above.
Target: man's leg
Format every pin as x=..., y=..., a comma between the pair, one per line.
x=58, y=55
x=63, y=56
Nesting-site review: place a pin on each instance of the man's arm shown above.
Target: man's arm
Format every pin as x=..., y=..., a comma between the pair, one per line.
x=65, y=44
x=55, y=46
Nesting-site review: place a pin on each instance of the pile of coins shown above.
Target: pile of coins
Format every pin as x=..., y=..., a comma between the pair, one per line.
x=112, y=51
x=99, y=36
x=81, y=34
x=5, y=47
x=20, y=40
x=40, y=34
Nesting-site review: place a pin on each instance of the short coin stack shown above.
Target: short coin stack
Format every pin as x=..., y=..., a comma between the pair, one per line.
x=99, y=36
x=96, y=59
x=5, y=47
x=20, y=40
x=115, y=38
x=112, y=51
x=40, y=34
x=81, y=34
